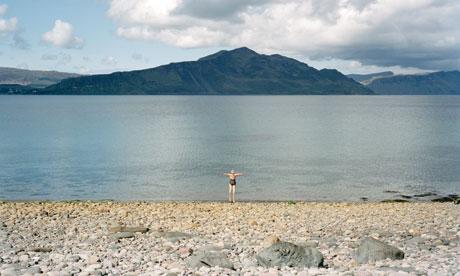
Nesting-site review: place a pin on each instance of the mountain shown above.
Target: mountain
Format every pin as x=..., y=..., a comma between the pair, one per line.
x=236, y=72
x=438, y=83
x=32, y=78
x=366, y=78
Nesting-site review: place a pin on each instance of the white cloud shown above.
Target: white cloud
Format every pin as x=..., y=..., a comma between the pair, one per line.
x=422, y=34
x=62, y=35
x=109, y=61
x=7, y=25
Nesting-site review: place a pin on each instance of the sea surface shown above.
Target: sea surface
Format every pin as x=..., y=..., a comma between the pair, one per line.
x=171, y=148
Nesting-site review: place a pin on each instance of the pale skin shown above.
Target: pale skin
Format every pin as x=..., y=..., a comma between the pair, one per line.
x=231, y=188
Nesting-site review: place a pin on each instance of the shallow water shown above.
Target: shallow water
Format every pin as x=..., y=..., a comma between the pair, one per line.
x=155, y=148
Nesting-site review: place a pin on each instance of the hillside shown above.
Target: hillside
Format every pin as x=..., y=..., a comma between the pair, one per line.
x=237, y=72
x=367, y=77
x=438, y=83
x=33, y=78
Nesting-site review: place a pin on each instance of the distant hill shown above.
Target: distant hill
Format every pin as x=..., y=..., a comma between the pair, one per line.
x=438, y=83
x=237, y=72
x=363, y=78
x=16, y=89
x=31, y=78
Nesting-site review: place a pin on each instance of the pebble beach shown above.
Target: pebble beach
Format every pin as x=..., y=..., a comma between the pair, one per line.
x=164, y=238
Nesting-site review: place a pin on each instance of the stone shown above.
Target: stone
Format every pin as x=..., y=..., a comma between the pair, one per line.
x=118, y=229
x=122, y=235
x=185, y=251
x=270, y=240
x=415, y=240
x=93, y=260
x=40, y=249
x=371, y=249
x=73, y=258
x=169, y=235
x=210, y=259
x=288, y=254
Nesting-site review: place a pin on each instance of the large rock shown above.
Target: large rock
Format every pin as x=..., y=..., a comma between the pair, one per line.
x=371, y=249
x=288, y=254
x=210, y=259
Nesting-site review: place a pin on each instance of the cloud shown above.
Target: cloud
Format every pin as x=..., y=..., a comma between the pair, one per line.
x=422, y=34
x=62, y=36
x=7, y=25
x=109, y=61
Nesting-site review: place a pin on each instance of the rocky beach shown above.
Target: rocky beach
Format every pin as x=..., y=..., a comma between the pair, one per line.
x=256, y=238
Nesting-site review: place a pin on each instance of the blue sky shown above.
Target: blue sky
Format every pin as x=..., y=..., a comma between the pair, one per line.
x=353, y=36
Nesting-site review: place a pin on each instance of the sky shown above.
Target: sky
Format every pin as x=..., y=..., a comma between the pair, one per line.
x=352, y=36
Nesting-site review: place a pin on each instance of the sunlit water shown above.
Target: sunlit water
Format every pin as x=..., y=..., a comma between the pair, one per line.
x=161, y=148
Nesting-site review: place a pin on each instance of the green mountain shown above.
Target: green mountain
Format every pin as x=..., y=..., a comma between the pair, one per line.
x=367, y=77
x=33, y=78
x=438, y=83
x=237, y=72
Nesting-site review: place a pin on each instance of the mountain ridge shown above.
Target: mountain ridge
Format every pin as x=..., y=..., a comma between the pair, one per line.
x=241, y=71
x=32, y=78
x=436, y=83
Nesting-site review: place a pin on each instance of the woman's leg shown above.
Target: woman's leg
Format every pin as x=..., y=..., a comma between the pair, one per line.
x=229, y=192
x=234, y=188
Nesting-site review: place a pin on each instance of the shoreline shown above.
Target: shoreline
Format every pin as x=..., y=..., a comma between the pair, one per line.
x=62, y=238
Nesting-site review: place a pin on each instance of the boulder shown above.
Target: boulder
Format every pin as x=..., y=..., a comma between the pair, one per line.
x=210, y=259
x=288, y=254
x=371, y=249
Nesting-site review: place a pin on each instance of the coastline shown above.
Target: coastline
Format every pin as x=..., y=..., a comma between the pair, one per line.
x=64, y=238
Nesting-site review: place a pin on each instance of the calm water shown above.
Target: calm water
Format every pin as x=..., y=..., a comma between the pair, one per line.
x=156, y=148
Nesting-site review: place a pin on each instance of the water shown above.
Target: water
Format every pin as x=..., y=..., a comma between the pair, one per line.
x=161, y=148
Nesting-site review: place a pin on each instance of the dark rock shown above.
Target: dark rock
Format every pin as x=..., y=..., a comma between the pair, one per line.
x=371, y=249
x=210, y=259
x=288, y=254
x=425, y=194
x=41, y=249
x=169, y=235
x=443, y=199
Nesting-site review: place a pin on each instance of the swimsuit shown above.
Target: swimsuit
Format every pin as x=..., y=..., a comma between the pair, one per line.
x=233, y=182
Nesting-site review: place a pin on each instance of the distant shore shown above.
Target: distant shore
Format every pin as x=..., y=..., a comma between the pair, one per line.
x=138, y=238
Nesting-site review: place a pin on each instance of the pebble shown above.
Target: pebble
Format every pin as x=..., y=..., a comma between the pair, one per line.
x=61, y=238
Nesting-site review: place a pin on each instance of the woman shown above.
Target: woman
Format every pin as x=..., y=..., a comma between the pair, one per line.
x=232, y=184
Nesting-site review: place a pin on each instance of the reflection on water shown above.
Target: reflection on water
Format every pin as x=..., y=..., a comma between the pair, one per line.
x=173, y=147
